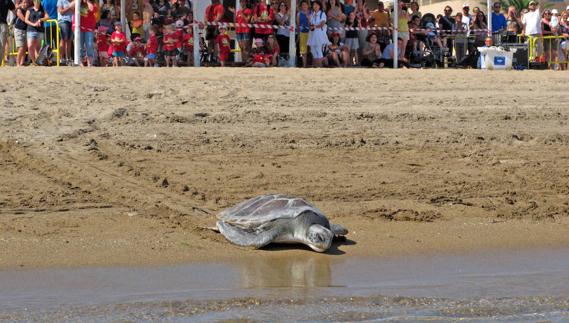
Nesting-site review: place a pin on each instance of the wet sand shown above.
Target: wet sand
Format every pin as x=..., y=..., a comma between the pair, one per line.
x=127, y=167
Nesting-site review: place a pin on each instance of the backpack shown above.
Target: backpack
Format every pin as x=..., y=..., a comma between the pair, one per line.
x=45, y=55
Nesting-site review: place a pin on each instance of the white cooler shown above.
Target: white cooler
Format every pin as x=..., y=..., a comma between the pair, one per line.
x=496, y=58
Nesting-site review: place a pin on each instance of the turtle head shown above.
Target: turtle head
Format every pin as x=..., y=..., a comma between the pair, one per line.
x=319, y=238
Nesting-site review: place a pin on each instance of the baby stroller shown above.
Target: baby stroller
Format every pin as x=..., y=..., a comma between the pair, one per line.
x=432, y=53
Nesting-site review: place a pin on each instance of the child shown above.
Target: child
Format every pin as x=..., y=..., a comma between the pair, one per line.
x=258, y=57
x=102, y=45
x=136, y=25
x=118, y=44
x=338, y=53
x=189, y=44
x=169, y=40
x=273, y=51
x=222, y=42
x=179, y=37
x=136, y=51
x=151, y=48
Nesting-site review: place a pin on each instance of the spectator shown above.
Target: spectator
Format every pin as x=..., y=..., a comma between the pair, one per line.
x=447, y=26
x=363, y=17
x=169, y=47
x=403, y=27
x=514, y=25
x=213, y=15
x=372, y=52
x=188, y=48
x=381, y=19
x=479, y=28
x=499, y=22
x=136, y=25
x=282, y=19
x=20, y=28
x=102, y=41
x=136, y=52
x=352, y=39
x=389, y=54
x=50, y=7
x=64, y=17
x=466, y=17
x=5, y=7
x=258, y=57
x=35, y=17
x=338, y=53
x=263, y=16
x=106, y=22
x=151, y=48
x=335, y=19
x=564, y=46
x=118, y=45
x=147, y=14
x=414, y=7
x=317, y=39
x=532, y=21
x=243, y=31
x=111, y=7
x=549, y=44
x=88, y=9
x=554, y=18
x=273, y=51
x=303, y=21
x=417, y=35
x=348, y=7
x=181, y=9
x=223, y=44
x=461, y=39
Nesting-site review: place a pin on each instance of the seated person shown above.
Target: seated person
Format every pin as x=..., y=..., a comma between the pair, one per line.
x=338, y=53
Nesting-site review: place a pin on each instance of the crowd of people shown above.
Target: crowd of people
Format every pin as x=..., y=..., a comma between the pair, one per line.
x=328, y=33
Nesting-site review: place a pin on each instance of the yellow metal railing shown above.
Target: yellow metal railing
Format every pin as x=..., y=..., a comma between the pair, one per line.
x=53, y=41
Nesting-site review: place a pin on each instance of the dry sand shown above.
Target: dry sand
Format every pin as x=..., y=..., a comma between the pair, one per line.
x=125, y=167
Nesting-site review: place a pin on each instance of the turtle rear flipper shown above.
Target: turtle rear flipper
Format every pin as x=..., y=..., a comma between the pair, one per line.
x=338, y=230
x=244, y=238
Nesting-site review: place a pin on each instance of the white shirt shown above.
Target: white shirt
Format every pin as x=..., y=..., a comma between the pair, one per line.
x=532, y=22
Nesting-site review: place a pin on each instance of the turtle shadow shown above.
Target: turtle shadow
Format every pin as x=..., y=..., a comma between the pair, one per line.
x=333, y=250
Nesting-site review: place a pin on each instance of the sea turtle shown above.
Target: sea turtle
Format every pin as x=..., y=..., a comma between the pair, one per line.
x=277, y=218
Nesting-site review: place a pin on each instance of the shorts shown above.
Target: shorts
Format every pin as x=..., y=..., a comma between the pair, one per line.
x=65, y=29
x=20, y=37
x=403, y=35
x=303, y=40
x=118, y=54
x=549, y=44
x=243, y=37
x=34, y=35
x=151, y=56
x=172, y=52
x=352, y=43
x=223, y=56
x=103, y=53
x=211, y=32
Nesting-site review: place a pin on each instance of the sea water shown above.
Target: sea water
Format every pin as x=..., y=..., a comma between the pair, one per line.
x=505, y=286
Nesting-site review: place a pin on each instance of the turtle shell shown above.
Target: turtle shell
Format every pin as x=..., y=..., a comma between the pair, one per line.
x=261, y=210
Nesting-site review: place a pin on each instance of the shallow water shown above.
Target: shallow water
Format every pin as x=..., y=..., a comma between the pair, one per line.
x=508, y=286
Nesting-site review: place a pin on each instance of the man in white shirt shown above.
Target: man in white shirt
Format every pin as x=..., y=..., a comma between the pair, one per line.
x=532, y=28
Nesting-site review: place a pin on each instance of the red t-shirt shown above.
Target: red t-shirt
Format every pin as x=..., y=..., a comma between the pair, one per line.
x=259, y=58
x=189, y=41
x=213, y=11
x=118, y=47
x=266, y=17
x=224, y=43
x=168, y=44
x=179, y=34
x=102, y=42
x=152, y=45
x=240, y=18
x=88, y=18
x=136, y=51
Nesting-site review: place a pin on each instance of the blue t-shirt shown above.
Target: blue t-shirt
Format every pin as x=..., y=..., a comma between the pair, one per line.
x=303, y=23
x=50, y=6
x=66, y=16
x=498, y=22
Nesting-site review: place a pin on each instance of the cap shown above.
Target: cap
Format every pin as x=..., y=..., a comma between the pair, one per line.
x=179, y=24
x=259, y=41
x=554, y=11
x=118, y=23
x=137, y=38
x=532, y=2
x=465, y=5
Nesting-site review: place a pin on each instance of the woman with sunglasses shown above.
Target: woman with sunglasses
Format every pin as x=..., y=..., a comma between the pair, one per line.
x=549, y=44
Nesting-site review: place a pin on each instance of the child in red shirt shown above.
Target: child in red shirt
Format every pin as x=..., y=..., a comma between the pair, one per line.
x=151, y=48
x=170, y=40
x=136, y=51
x=223, y=45
x=102, y=45
x=118, y=44
x=189, y=44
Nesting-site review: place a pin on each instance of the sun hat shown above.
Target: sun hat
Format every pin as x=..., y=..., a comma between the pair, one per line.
x=465, y=5
x=554, y=11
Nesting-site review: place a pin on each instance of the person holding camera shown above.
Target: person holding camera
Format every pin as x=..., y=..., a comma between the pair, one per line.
x=317, y=38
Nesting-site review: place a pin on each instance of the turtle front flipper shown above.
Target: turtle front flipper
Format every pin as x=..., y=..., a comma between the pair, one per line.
x=338, y=230
x=244, y=238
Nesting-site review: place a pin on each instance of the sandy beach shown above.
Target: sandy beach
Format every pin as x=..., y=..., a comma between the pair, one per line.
x=129, y=166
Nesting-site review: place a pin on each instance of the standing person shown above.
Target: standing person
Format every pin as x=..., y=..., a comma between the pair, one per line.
x=550, y=44
x=223, y=44
x=479, y=29
x=88, y=24
x=352, y=39
x=317, y=38
x=213, y=15
x=169, y=45
x=118, y=44
x=20, y=29
x=514, y=25
x=35, y=17
x=263, y=16
x=446, y=24
x=499, y=22
x=50, y=6
x=381, y=19
x=151, y=48
x=414, y=8
x=64, y=18
x=303, y=22
x=531, y=21
x=461, y=41
x=336, y=19
x=242, y=30
x=403, y=27
x=147, y=13
x=282, y=19
x=363, y=17
x=5, y=6
x=348, y=7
